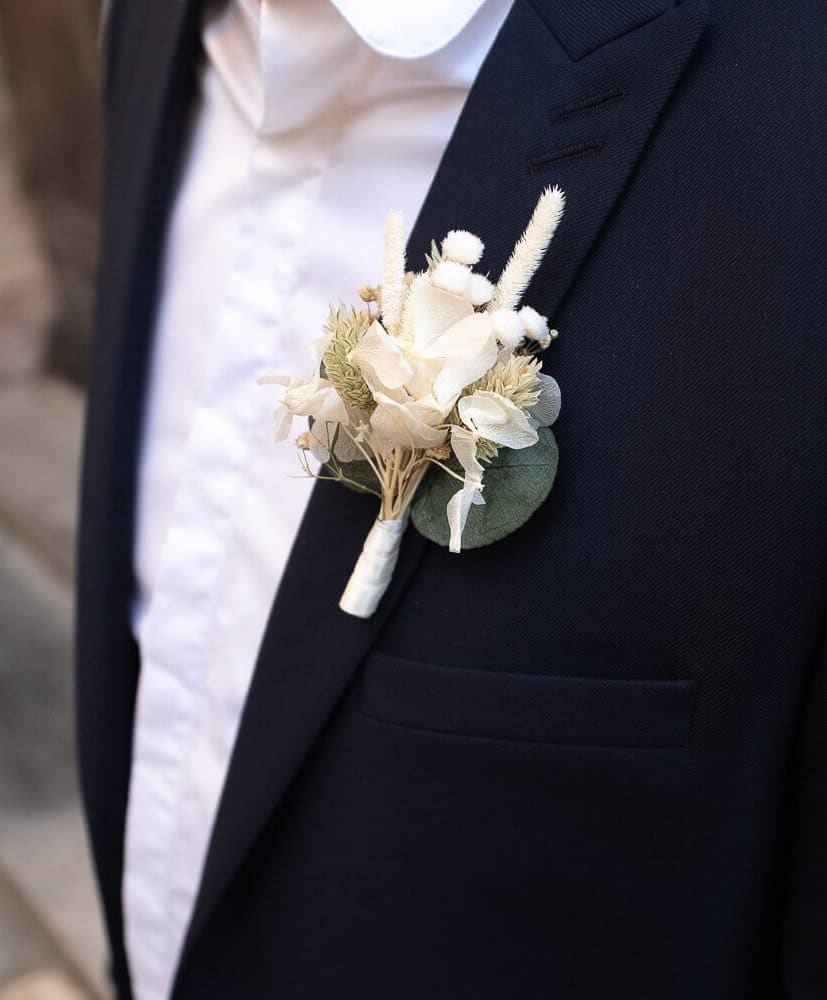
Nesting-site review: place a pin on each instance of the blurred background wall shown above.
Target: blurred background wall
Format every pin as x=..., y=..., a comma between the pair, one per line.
x=50, y=166
x=51, y=942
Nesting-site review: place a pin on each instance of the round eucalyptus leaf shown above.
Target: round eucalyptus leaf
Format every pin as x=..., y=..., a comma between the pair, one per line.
x=517, y=482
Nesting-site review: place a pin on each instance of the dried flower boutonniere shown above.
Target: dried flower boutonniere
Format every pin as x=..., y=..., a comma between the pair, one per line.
x=431, y=396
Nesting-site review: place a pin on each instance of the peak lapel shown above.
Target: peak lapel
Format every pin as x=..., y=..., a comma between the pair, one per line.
x=535, y=116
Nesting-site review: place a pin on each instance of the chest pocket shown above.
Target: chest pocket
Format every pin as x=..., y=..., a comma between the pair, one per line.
x=577, y=711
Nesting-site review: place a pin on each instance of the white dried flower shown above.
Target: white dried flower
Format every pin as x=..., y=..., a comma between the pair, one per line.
x=497, y=419
x=452, y=277
x=508, y=327
x=305, y=396
x=535, y=325
x=481, y=290
x=438, y=372
x=463, y=247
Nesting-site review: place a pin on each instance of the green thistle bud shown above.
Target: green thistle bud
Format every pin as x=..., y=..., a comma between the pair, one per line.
x=347, y=327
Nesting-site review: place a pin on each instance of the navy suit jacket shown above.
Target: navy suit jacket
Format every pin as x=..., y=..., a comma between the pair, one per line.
x=589, y=762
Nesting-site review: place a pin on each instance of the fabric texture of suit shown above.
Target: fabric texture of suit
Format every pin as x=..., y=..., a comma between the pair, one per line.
x=590, y=761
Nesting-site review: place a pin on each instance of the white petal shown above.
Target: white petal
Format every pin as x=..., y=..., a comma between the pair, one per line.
x=314, y=397
x=463, y=353
x=318, y=346
x=381, y=355
x=320, y=436
x=431, y=311
x=547, y=407
x=282, y=421
x=421, y=383
x=457, y=510
x=404, y=425
x=497, y=419
x=462, y=246
x=464, y=444
x=468, y=338
x=344, y=449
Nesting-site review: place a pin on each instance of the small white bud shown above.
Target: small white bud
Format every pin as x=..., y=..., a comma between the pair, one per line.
x=535, y=325
x=481, y=290
x=462, y=247
x=507, y=327
x=452, y=277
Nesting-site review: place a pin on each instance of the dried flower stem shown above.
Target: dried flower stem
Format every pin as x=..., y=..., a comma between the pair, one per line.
x=398, y=474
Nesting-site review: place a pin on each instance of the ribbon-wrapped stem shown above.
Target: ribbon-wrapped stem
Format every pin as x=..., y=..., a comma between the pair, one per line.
x=374, y=567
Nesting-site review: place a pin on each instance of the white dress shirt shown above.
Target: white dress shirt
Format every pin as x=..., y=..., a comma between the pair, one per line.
x=315, y=118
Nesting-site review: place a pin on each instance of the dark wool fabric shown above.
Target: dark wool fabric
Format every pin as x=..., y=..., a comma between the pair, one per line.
x=589, y=762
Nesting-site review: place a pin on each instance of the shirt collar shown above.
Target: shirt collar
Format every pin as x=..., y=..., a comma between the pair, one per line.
x=408, y=29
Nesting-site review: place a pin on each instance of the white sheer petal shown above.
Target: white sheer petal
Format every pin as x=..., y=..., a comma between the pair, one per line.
x=408, y=425
x=547, y=408
x=466, y=351
x=379, y=354
x=343, y=447
x=315, y=397
x=457, y=510
x=318, y=346
x=282, y=421
x=497, y=419
x=464, y=444
x=432, y=311
x=321, y=434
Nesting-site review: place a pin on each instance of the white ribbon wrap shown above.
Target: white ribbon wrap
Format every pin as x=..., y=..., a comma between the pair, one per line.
x=374, y=568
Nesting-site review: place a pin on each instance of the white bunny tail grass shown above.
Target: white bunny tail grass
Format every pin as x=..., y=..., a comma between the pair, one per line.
x=393, y=273
x=529, y=250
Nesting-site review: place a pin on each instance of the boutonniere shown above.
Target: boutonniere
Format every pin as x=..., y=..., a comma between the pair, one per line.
x=430, y=396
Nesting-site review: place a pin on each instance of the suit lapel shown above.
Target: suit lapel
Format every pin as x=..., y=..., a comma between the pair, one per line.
x=548, y=106
x=152, y=56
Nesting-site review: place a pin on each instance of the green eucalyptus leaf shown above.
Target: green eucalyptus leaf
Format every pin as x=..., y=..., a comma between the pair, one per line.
x=516, y=484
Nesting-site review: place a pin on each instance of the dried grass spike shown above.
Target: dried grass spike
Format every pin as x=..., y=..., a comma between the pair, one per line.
x=529, y=251
x=393, y=273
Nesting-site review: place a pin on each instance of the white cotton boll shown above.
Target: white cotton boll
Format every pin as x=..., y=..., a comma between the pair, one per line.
x=507, y=327
x=481, y=290
x=462, y=247
x=452, y=277
x=535, y=325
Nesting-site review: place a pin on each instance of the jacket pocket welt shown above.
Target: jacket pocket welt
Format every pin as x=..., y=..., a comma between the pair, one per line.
x=578, y=711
